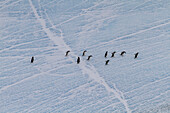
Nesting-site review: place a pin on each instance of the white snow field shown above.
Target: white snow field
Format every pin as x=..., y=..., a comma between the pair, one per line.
x=54, y=83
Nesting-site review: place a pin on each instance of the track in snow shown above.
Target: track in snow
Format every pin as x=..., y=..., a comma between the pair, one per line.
x=86, y=69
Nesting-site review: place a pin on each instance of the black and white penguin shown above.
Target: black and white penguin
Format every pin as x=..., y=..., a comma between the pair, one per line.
x=67, y=53
x=78, y=60
x=113, y=54
x=84, y=53
x=106, y=54
x=32, y=59
x=107, y=61
x=122, y=53
x=89, y=57
x=136, y=55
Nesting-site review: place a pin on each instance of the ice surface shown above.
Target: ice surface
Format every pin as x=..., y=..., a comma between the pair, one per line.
x=46, y=29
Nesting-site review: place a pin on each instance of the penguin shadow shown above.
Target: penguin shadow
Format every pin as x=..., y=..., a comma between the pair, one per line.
x=32, y=59
x=120, y=56
x=107, y=61
x=85, y=57
x=67, y=52
x=137, y=56
x=36, y=60
x=130, y=56
x=123, y=53
x=108, y=57
x=78, y=60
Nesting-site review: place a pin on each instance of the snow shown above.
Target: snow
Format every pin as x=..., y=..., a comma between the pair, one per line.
x=46, y=29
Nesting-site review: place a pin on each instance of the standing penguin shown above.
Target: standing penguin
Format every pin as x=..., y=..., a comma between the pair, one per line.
x=106, y=54
x=32, y=59
x=122, y=53
x=84, y=53
x=78, y=60
x=136, y=55
x=67, y=53
x=107, y=61
x=113, y=54
x=89, y=57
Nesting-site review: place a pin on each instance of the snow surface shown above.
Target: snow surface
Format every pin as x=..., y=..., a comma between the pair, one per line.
x=46, y=29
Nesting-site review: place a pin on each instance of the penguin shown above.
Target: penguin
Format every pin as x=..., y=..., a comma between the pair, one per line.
x=136, y=55
x=89, y=57
x=106, y=54
x=113, y=54
x=123, y=52
x=84, y=53
x=107, y=61
x=67, y=53
x=78, y=60
x=32, y=59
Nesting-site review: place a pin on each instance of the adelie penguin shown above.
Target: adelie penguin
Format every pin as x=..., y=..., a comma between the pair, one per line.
x=32, y=59
x=113, y=54
x=84, y=53
x=78, y=60
x=89, y=57
x=67, y=53
x=106, y=54
x=122, y=53
x=107, y=61
x=136, y=55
